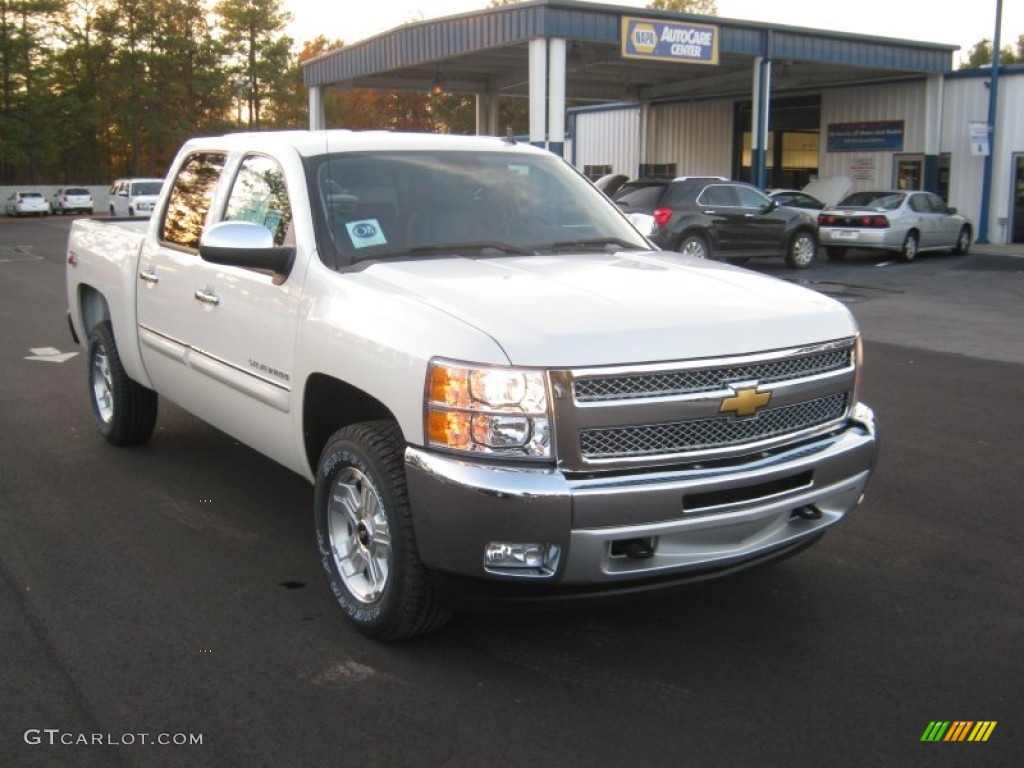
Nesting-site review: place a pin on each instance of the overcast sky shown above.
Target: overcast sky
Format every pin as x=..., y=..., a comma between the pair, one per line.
x=954, y=22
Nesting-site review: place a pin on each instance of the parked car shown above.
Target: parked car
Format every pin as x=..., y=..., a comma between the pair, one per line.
x=134, y=197
x=893, y=220
x=27, y=204
x=72, y=200
x=711, y=217
x=794, y=198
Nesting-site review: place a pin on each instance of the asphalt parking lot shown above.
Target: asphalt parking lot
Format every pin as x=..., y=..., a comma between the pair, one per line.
x=173, y=591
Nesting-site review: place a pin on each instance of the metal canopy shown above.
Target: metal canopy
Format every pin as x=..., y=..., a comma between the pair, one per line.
x=486, y=51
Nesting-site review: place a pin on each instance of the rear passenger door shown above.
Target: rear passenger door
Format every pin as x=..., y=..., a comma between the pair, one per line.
x=219, y=339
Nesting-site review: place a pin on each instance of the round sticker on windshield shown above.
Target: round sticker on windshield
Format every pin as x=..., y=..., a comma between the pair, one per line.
x=365, y=233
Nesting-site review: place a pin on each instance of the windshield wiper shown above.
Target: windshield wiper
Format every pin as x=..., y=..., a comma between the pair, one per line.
x=594, y=242
x=478, y=247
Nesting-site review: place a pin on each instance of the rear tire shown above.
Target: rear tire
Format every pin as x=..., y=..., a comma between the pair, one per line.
x=802, y=250
x=694, y=245
x=125, y=410
x=365, y=537
x=909, y=250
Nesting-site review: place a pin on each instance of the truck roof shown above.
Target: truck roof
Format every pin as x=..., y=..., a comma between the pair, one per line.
x=309, y=143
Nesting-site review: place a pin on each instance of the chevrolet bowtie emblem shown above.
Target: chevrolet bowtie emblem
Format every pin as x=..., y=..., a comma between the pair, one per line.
x=745, y=402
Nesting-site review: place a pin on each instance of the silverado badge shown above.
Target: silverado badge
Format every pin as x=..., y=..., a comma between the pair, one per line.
x=745, y=402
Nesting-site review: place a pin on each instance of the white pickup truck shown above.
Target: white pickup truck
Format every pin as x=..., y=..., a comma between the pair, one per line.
x=500, y=390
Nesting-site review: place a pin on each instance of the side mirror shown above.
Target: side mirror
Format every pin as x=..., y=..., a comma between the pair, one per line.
x=952, y=210
x=245, y=244
x=770, y=206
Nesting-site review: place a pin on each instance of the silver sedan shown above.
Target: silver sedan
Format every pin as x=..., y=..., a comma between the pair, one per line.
x=892, y=220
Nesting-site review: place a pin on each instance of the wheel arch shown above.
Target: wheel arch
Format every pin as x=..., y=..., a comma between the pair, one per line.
x=694, y=228
x=329, y=404
x=92, y=308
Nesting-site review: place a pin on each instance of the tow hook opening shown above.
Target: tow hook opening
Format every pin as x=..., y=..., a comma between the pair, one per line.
x=635, y=549
x=809, y=512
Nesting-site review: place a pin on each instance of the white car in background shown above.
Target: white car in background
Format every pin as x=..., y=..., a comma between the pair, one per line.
x=72, y=200
x=27, y=204
x=134, y=197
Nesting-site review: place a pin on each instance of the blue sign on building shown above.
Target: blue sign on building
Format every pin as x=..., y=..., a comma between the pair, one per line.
x=876, y=136
x=669, y=41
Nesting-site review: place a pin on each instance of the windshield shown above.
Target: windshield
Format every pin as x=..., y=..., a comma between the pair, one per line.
x=422, y=204
x=887, y=200
x=146, y=188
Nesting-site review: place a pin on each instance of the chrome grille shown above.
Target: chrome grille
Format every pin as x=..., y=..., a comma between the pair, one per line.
x=705, y=434
x=669, y=383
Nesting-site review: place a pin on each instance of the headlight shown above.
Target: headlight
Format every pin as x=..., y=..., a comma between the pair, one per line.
x=496, y=411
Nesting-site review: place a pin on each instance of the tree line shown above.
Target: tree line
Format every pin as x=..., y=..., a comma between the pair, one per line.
x=91, y=90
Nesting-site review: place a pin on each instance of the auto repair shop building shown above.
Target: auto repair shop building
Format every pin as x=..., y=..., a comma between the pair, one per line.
x=658, y=92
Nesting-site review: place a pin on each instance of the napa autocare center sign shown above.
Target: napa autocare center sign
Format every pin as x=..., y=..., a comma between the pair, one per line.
x=669, y=41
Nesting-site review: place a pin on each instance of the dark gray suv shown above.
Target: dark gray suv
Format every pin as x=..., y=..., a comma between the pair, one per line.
x=716, y=218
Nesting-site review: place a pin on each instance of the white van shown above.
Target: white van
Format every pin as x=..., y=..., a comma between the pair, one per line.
x=134, y=197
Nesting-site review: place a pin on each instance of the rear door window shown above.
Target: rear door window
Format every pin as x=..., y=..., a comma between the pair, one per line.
x=190, y=199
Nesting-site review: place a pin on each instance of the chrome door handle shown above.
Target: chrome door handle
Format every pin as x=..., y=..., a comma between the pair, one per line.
x=149, y=276
x=207, y=297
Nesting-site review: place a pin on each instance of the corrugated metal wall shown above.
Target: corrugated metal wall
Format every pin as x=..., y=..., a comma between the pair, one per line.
x=965, y=102
x=696, y=136
x=897, y=101
x=608, y=137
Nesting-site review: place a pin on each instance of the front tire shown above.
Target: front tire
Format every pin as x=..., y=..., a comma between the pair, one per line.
x=963, y=242
x=365, y=535
x=125, y=410
x=909, y=250
x=803, y=248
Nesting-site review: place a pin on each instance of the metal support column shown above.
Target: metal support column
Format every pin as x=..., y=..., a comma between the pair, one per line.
x=759, y=122
x=993, y=111
x=934, y=94
x=317, y=117
x=556, y=95
x=538, y=89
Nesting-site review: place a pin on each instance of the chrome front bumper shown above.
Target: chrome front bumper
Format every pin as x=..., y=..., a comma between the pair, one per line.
x=691, y=519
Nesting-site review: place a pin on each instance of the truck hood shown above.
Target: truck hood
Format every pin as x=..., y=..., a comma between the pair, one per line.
x=575, y=310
